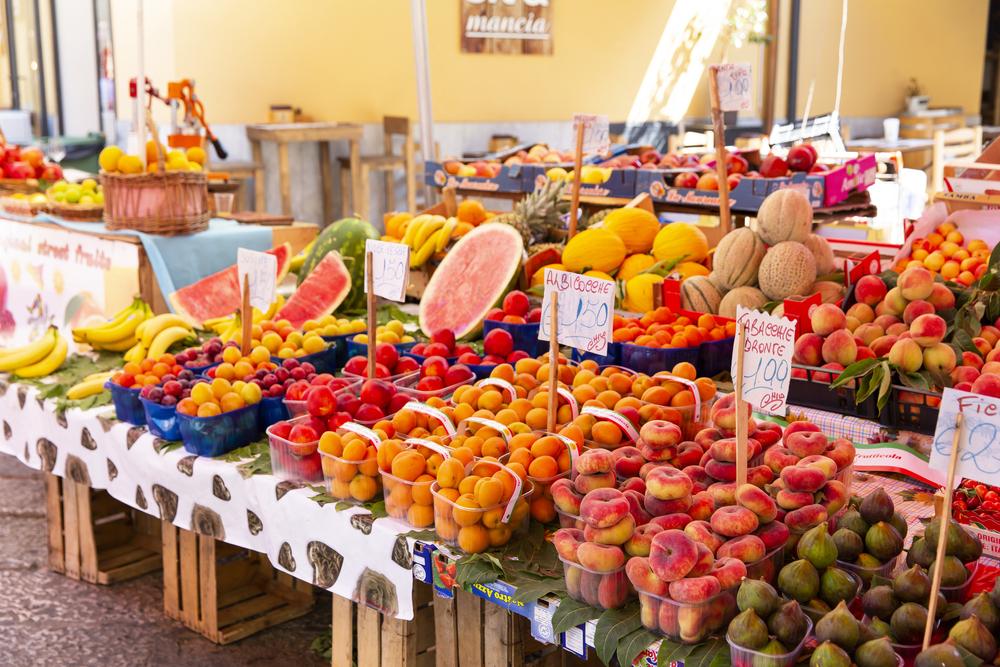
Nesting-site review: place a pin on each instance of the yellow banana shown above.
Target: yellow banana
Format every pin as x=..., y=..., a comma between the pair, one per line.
x=165, y=339
x=104, y=375
x=273, y=308
x=87, y=387
x=48, y=364
x=136, y=353
x=444, y=234
x=120, y=345
x=80, y=333
x=99, y=337
x=160, y=323
x=213, y=321
x=414, y=227
x=420, y=257
x=29, y=354
x=426, y=230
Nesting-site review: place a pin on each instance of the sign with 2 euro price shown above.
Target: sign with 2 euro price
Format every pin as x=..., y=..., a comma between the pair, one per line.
x=979, y=445
x=734, y=86
x=596, y=132
x=767, y=359
x=391, y=266
x=260, y=269
x=586, y=310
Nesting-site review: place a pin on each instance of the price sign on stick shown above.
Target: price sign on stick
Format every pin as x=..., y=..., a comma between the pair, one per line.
x=979, y=458
x=768, y=343
x=260, y=269
x=596, y=133
x=586, y=308
x=734, y=86
x=391, y=264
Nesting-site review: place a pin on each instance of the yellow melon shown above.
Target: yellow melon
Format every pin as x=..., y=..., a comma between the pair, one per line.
x=639, y=292
x=686, y=270
x=599, y=274
x=637, y=227
x=634, y=265
x=680, y=241
x=539, y=276
x=596, y=249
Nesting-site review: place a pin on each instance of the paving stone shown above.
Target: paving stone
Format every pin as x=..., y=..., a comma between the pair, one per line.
x=22, y=497
x=23, y=543
x=12, y=467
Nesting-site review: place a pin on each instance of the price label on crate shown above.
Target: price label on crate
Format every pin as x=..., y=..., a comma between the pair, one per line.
x=596, y=133
x=767, y=359
x=979, y=445
x=586, y=310
x=734, y=86
x=260, y=269
x=391, y=266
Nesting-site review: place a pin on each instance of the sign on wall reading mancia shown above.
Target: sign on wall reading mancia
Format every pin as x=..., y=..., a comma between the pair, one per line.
x=506, y=26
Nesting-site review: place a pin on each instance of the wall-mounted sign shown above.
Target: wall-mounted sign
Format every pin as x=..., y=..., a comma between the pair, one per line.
x=519, y=27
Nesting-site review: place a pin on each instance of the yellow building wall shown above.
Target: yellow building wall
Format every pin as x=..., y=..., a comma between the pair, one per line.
x=352, y=60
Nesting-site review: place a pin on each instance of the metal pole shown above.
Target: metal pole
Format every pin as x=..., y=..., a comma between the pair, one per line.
x=418, y=12
x=15, y=84
x=43, y=103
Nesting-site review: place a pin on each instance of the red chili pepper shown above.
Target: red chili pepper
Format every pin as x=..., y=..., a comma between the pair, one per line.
x=981, y=490
x=992, y=495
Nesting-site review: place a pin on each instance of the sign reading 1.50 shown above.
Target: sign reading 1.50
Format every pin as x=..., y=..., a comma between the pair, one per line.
x=586, y=310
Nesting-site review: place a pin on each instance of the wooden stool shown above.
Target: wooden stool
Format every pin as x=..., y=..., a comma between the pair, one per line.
x=364, y=637
x=225, y=592
x=392, y=126
x=95, y=538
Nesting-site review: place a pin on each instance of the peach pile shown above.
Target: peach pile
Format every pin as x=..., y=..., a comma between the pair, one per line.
x=594, y=571
x=350, y=465
x=946, y=253
x=663, y=328
x=407, y=475
x=812, y=442
x=980, y=373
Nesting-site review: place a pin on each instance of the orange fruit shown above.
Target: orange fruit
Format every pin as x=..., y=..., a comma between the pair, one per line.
x=543, y=467
x=209, y=410
x=420, y=516
x=606, y=434
x=488, y=491
x=363, y=488
x=473, y=539
x=408, y=465
x=421, y=490
x=465, y=510
x=450, y=473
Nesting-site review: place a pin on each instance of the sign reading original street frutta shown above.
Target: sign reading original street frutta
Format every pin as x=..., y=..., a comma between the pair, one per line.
x=516, y=27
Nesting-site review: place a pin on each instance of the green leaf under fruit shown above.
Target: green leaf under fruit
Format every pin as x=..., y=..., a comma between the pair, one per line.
x=571, y=613
x=713, y=652
x=634, y=643
x=612, y=626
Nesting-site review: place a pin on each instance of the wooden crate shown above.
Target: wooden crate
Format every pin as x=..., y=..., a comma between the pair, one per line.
x=95, y=538
x=364, y=637
x=225, y=592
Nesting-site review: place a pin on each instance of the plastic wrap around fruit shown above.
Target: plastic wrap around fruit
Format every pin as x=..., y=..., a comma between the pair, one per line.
x=161, y=419
x=766, y=569
x=294, y=461
x=408, y=387
x=745, y=657
x=547, y=459
x=865, y=574
x=351, y=471
x=602, y=590
x=128, y=407
x=959, y=593
x=218, y=435
x=525, y=335
x=485, y=437
x=459, y=520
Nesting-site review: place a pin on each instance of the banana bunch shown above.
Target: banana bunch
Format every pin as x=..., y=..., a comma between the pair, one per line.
x=298, y=260
x=227, y=327
x=428, y=234
x=89, y=386
x=156, y=335
x=119, y=333
x=36, y=359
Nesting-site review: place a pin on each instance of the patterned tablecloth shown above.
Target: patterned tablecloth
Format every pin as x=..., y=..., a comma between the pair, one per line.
x=346, y=552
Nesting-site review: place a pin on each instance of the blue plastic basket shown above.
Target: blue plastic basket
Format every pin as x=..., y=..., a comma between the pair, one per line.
x=612, y=358
x=651, y=360
x=324, y=361
x=218, y=435
x=420, y=358
x=272, y=410
x=128, y=407
x=161, y=419
x=482, y=370
x=525, y=335
x=715, y=357
x=339, y=343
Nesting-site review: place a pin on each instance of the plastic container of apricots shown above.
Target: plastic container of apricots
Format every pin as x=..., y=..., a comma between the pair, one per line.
x=350, y=463
x=546, y=457
x=420, y=420
x=479, y=505
x=482, y=437
x=407, y=385
x=602, y=590
x=408, y=469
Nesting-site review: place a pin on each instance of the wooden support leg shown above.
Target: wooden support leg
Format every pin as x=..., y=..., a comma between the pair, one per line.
x=284, y=179
x=326, y=176
x=469, y=611
x=342, y=648
x=390, y=186
x=445, y=632
x=54, y=512
x=357, y=195
x=258, y=177
x=345, y=192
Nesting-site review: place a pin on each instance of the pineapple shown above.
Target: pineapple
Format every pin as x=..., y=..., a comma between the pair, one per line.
x=537, y=216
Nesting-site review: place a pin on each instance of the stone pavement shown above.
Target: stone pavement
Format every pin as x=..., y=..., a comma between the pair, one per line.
x=47, y=619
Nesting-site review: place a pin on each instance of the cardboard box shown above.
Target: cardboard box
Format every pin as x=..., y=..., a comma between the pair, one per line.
x=511, y=178
x=621, y=183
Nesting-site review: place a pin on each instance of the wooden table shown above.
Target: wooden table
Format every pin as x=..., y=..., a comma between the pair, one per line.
x=880, y=145
x=323, y=133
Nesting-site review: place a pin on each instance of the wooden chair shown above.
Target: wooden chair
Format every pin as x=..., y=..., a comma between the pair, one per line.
x=962, y=144
x=924, y=127
x=392, y=126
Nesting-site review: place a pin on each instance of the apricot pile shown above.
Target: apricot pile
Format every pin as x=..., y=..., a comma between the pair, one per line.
x=350, y=465
x=663, y=328
x=407, y=474
x=546, y=458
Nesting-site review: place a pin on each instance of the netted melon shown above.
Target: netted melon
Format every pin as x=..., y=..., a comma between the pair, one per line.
x=784, y=215
x=748, y=297
x=700, y=294
x=788, y=269
x=737, y=258
x=821, y=250
x=829, y=291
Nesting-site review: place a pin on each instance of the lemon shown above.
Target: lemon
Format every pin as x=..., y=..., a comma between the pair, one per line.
x=129, y=164
x=196, y=154
x=99, y=198
x=60, y=186
x=73, y=193
x=87, y=199
x=89, y=184
x=590, y=174
x=108, y=159
x=193, y=166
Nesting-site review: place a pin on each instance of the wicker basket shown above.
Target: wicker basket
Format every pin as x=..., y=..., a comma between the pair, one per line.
x=18, y=185
x=21, y=207
x=77, y=212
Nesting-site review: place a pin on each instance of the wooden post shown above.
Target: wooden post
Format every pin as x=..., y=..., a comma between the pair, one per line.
x=719, y=129
x=949, y=487
x=553, y=361
x=370, y=288
x=741, y=416
x=246, y=313
x=577, y=167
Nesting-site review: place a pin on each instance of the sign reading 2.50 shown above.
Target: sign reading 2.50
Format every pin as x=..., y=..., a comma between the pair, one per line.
x=586, y=310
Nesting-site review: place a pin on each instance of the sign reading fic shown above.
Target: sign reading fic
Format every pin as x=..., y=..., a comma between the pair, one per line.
x=734, y=87
x=767, y=359
x=586, y=310
x=391, y=266
x=260, y=269
x=979, y=445
x=515, y=27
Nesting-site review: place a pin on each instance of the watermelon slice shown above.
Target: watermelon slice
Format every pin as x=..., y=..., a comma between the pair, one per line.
x=320, y=293
x=219, y=294
x=471, y=279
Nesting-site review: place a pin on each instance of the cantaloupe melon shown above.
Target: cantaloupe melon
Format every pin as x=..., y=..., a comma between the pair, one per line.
x=700, y=294
x=679, y=241
x=788, y=269
x=821, y=250
x=737, y=258
x=594, y=249
x=748, y=297
x=828, y=290
x=636, y=227
x=784, y=215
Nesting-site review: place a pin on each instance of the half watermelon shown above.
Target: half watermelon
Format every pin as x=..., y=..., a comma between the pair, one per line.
x=219, y=294
x=326, y=287
x=471, y=279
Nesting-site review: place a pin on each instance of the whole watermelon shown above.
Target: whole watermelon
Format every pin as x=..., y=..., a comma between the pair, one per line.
x=347, y=237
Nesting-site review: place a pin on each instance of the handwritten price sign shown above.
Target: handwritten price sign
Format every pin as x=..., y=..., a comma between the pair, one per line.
x=734, y=86
x=979, y=446
x=767, y=359
x=260, y=269
x=391, y=266
x=596, y=134
x=586, y=310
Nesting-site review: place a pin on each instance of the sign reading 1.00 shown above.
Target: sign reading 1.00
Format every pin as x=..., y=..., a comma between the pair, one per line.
x=767, y=358
x=586, y=310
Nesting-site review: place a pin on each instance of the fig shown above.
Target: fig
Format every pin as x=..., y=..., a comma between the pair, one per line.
x=974, y=637
x=849, y=544
x=970, y=548
x=852, y=521
x=876, y=507
x=939, y=655
x=907, y=623
x=789, y=624
x=774, y=647
x=995, y=593
x=879, y=628
x=921, y=553
x=912, y=585
x=837, y=585
x=829, y=654
x=899, y=523
x=865, y=634
x=883, y=541
x=839, y=627
x=953, y=543
x=879, y=602
x=818, y=608
x=953, y=572
x=875, y=653
x=757, y=595
x=748, y=631
x=817, y=547
x=799, y=580
x=983, y=608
